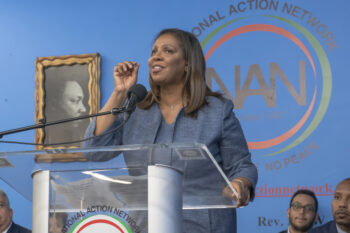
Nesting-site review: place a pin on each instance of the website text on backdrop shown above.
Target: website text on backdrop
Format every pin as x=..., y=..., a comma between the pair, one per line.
x=302, y=211
x=181, y=108
x=6, y=213
x=340, y=211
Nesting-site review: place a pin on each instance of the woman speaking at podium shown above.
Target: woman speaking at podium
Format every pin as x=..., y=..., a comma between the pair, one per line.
x=180, y=108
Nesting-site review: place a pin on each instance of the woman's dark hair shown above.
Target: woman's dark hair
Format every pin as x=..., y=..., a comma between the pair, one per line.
x=305, y=192
x=195, y=88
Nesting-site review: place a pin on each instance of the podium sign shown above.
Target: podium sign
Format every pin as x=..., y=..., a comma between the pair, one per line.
x=134, y=188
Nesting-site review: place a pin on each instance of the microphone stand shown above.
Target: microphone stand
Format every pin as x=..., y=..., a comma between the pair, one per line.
x=43, y=123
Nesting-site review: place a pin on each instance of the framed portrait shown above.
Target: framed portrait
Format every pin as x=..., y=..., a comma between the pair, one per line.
x=65, y=87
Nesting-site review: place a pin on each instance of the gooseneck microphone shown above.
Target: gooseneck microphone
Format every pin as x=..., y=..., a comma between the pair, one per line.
x=135, y=95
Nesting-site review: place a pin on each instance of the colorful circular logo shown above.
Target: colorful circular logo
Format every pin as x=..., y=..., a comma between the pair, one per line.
x=101, y=223
x=313, y=115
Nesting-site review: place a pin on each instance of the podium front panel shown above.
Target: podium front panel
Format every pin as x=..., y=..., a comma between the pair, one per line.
x=111, y=185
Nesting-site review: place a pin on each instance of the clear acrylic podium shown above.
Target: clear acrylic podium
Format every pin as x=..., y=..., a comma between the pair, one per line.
x=134, y=188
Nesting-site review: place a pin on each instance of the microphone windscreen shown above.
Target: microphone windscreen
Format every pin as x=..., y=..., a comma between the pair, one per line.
x=139, y=91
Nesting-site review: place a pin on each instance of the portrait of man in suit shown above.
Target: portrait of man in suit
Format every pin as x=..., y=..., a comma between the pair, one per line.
x=302, y=211
x=6, y=213
x=66, y=88
x=66, y=97
x=340, y=211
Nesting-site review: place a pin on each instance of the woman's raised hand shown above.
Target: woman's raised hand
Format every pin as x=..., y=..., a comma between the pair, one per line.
x=125, y=75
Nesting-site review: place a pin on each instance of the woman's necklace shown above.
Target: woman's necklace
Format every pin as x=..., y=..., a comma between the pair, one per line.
x=172, y=106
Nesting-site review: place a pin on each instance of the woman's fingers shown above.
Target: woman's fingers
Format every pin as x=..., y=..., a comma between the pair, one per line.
x=243, y=190
x=125, y=68
x=242, y=187
x=125, y=75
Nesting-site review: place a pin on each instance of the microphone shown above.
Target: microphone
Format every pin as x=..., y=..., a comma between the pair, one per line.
x=135, y=95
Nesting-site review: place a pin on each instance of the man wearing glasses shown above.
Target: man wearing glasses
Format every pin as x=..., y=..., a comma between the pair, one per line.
x=6, y=223
x=302, y=212
x=340, y=211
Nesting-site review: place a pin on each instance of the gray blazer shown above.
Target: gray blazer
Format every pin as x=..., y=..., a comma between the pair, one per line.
x=215, y=126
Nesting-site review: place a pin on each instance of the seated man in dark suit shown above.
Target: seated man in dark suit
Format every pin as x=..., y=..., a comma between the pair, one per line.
x=340, y=211
x=302, y=212
x=6, y=223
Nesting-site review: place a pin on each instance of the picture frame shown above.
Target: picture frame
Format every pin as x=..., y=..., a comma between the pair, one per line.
x=65, y=87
